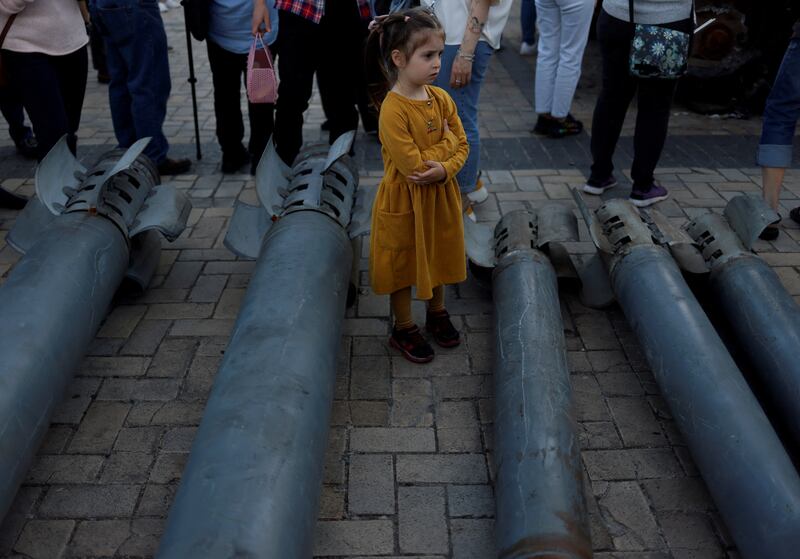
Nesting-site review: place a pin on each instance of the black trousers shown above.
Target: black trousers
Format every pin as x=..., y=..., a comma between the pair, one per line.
x=52, y=90
x=11, y=108
x=229, y=72
x=328, y=48
x=618, y=88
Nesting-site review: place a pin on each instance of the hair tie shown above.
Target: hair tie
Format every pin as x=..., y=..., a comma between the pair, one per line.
x=405, y=19
x=377, y=24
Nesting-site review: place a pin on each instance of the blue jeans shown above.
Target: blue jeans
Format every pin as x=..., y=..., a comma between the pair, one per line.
x=466, y=99
x=136, y=50
x=782, y=112
x=527, y=21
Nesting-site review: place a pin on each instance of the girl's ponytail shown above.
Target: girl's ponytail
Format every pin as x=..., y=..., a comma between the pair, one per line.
x=375, y=66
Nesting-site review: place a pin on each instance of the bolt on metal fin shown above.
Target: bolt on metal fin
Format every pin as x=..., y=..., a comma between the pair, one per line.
x=749, y=216
x=59, y=170
x=246, y=230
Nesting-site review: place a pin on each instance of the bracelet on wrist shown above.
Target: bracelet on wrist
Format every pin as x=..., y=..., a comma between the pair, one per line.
x=466, y=55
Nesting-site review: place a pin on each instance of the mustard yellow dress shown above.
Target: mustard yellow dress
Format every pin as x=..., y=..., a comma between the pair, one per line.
x=417, y=230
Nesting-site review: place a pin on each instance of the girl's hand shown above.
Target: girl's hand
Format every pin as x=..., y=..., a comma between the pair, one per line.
x=445, y=127
x=435, y=173
x=260, y=15
x=461, y=73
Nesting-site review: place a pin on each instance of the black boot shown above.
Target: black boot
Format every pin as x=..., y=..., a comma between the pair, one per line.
x=11, y=201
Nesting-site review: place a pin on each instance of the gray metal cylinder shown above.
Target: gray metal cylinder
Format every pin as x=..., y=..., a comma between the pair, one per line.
x=252, y=484
x=738, y=453
x=51, y=307
x=766, y=322
x=540, y=506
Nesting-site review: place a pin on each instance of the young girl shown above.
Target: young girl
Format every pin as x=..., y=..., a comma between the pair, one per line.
x=417, y=230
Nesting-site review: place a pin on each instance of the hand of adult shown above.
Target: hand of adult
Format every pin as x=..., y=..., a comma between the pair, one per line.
x=260, y=16
x=461, y=73
x=435, y=173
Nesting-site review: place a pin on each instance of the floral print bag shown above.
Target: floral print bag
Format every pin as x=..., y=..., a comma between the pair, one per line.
x=658, y=52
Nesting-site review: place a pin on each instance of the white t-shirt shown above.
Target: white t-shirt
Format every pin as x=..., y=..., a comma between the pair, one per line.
x=453, y=15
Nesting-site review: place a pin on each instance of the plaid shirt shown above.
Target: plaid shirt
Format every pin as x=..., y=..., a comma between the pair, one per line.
x=314, y=9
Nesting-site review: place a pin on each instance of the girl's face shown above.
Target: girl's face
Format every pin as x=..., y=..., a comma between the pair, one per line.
x=424, y=64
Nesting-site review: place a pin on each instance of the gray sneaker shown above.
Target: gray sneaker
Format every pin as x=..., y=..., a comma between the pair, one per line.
x=644, y=198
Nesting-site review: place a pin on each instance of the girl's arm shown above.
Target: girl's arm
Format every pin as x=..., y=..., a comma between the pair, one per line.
x=452, y=165
x=260, y=15
x=476, y=20
x=405, y=154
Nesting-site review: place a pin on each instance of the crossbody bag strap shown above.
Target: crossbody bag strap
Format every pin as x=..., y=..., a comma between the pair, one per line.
x=6, y=27
x=630, y=11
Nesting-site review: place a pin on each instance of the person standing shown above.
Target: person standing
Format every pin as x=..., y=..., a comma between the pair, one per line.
x=136, y=55
x=777, y=132
x=563, y=32
x=231, y=28
x=615, y=32
x=472, y=34
x=323, y=36
x=44, y=55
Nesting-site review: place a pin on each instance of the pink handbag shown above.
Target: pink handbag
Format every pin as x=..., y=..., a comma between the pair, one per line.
x=262, y=84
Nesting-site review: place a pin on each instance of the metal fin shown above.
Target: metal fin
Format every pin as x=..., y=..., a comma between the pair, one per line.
x=749, y=216
x=165, y=210
x=128, y=158
x=246, y=230
x=145, y=254
x=682, y=247
x=592, y=224
x=29, y=225
x=556, y=223
x=596, y=291
x=479, y=243
x=56, y=172
x=340, y=148
x=716, y=238
x=272, y=177
x=361, y=216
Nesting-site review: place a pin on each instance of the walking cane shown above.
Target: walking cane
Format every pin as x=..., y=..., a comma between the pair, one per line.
x=192, y=80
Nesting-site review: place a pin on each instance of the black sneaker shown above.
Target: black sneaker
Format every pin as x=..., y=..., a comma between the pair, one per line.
x=771, y=231
x=11, y=201
x=794, y=214
x=411, y=343
x=28, y=145
x=563, y=127
x=439, y=325
x=233, y=161
x=543, y=126
x=597, y=187
x=174, y=166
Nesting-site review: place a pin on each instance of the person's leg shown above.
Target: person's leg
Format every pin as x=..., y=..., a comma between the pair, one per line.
x=652, y=123
x=436, y=304
x=226, y=74
x=467, y=100
x=11, y=108
x=72, y=70
x=437, y=321
x=36, y=80
x=527, y=21
x=406, y=336
x=576, y=18
x=297, y=62
x=114, y=24
x=547, y=60
x=616, y=93
x=401, y=308
x=780, y=120
x=340, y=26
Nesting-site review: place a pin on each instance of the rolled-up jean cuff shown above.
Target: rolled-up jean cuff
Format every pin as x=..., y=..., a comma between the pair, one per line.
x=774, y=155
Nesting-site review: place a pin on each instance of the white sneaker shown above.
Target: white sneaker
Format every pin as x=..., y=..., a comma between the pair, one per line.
x=162, y=7
x=479, y=195
x=526, y=49
x=469, y=213
x=172, y=4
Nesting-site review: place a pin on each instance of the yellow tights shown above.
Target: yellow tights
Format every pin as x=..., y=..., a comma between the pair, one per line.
x=401, y=305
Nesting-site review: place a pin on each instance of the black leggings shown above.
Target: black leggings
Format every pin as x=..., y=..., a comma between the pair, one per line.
x=654, y=102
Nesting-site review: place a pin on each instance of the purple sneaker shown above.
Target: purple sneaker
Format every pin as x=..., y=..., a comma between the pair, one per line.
x=597, y=187
x=644, y=198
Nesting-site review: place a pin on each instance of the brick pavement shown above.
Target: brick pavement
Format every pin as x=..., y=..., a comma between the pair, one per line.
x=408, y=469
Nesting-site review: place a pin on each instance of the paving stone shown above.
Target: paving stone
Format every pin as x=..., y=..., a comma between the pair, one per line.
x=179, y=413
x=156, y=499
x=599, y=435
x=472, y=539
x=122, y=321
x=331, y=506
x=392, y=439
x=631, y=464
x=66, y=468
x=200, y=379
x=142, y=413
x=56, y=439
x=628, y=518
x=179, y=439
x=147, y=389
x=229, y=303
x=183, y=275
x=168, y=467
x=620, y=384
x=76, y=400
x=89, y=501
x=596, y=332
x=636, y=422
x=371, y=484
x=353, y=537
x=98, y=538
x=460, y=439
x=470, y=501
x=114, y=366
x=477, y=386
x=443, y=365
x=690, y=534
x=422, y=523
x=202, y=327
x=369, y=414
x=98, y=430
x=369, y=378
x=44, y=539
x=441, y=468
x=146, y=337
x=172, y=358
x=412, y=403
x=589, y=401
x=208, y=289
x=126, y=467
x=17, y=516
x=138, y=439
x=173, y=311
x=679, y=494
x=144, y=538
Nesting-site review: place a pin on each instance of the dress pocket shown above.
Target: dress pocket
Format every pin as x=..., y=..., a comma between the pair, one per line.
x=395, y=230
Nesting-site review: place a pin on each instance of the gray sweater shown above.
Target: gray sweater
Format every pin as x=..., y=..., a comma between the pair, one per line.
x=649, y=11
